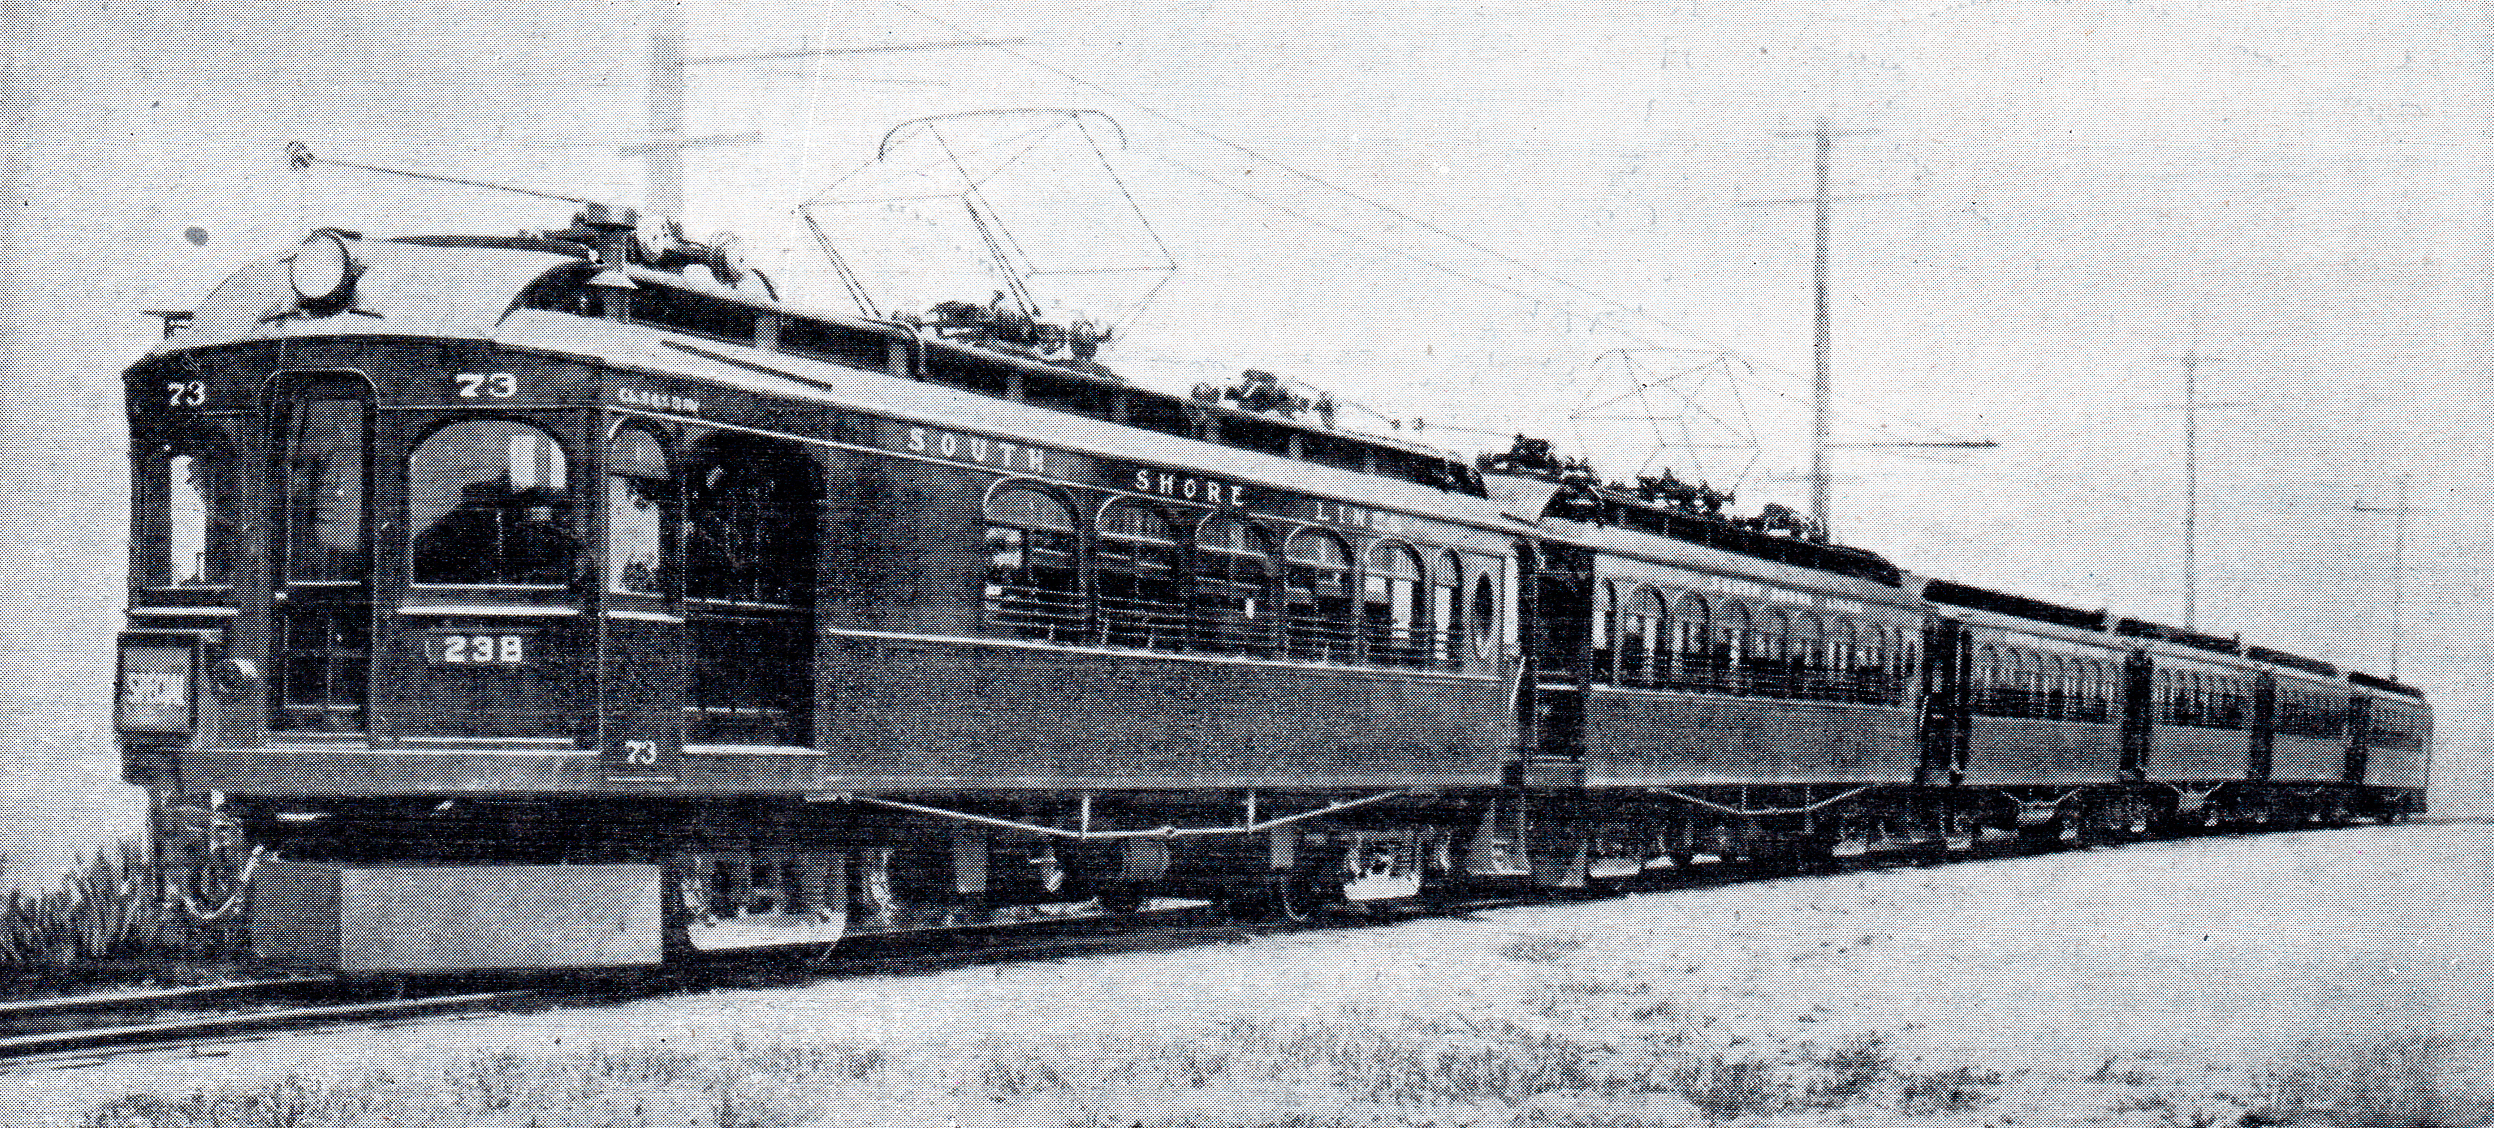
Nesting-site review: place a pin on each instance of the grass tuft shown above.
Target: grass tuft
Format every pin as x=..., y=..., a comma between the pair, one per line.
x=1547, y=948
x=112, y=906
x=2397, y=1079
x=1726, y=1088
x=1848, y=1071
x=1948, y=1090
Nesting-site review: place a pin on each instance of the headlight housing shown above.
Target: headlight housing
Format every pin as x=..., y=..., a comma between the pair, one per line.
x=323, y=270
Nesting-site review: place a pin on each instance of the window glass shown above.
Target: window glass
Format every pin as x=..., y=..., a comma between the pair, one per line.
x=1808, y=656
x=1605, y=626
x=749, y=525
x=1484, y=618
x=1033, y=573
x=1141, y=600
x=1317, y=585
x=1641, y=646
x=197, y=477
x=1391, y=609
x=1233, y=587
x=1771, y=652
x=1691, y=665
x=1446, y=611
x=325, y=492
x=489, y=501
x=636, y=520
x=1731, y=656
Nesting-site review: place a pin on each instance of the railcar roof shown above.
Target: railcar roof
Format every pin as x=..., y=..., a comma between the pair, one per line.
x=789, y=376
x=404, y=289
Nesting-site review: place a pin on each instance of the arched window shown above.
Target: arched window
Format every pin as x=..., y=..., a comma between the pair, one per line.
x=1233, y=587
x=1731, y=656
x=1316, y=589
x=1034, y=573
x=1844, y=660
x=1141, y=601
x=1392, y=608
x=637, y=488
x=1640, y=638
x=1691, y=666
x=489, y=501
x=2057, y=690
x=1605, y=631
x=1771, y=651
x=1991, y=695
x=1484, y=622
x=1808, y=658
x=1446, y=611
x=190, y=480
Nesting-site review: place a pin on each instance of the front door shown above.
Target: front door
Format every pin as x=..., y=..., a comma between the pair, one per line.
x=322, y=582
x=749, y=555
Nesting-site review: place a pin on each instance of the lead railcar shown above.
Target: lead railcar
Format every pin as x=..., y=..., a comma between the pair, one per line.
x=568, y=600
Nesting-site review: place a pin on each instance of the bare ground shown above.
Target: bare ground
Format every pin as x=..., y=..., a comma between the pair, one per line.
x=2341, y=977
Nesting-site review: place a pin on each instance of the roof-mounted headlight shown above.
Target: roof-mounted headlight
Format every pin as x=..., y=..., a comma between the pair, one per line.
x=323, y=269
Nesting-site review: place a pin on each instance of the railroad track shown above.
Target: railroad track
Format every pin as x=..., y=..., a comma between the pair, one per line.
x=94, y=1026
x=72, y=1031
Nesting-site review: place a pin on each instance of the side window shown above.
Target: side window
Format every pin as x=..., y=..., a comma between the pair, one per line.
x=1392, y=609
x=490, y=502
x=1691, y=666
x=1317, y=588
x=1640, y=641
x=1142, y=602
x=1731, y=656
x=1605, y=628
x=1233, y=588
x=637, y=479
x=1446, y=611
x=194, y=479
x=1484, y=617
x=1808, y=660
x=1772, y=647
x=1034, y=576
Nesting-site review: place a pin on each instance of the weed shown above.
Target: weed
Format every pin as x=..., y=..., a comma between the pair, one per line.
x=741, y=1106
x=1540, y=949
x=489, y=1082
x=1949, y=1090
x=1015, y=1073
x=1661, y=1010
x=111, y=906
x=294, y=1102
x=1570, y=999
x=1847, y=1071
x=2398, y=1079
x=2106, y=1073
x=1724, y=1088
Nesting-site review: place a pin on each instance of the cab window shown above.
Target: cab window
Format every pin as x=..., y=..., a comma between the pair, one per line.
x=636, y=518
x=192, y=480
x=490, y=502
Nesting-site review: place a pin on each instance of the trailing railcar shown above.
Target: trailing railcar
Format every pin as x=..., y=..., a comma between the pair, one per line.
x=569, y=600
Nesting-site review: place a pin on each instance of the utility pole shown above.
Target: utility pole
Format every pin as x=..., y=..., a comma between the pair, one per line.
x=1821, y=199
x=1820, y=340
x=2398, y=567
x=663, y=152
x=2191, y=486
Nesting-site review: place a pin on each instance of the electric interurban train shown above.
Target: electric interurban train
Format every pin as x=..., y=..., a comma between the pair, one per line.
x=566, y=600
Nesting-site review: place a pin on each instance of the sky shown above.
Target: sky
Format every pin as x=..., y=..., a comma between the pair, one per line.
x=1580, y=220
